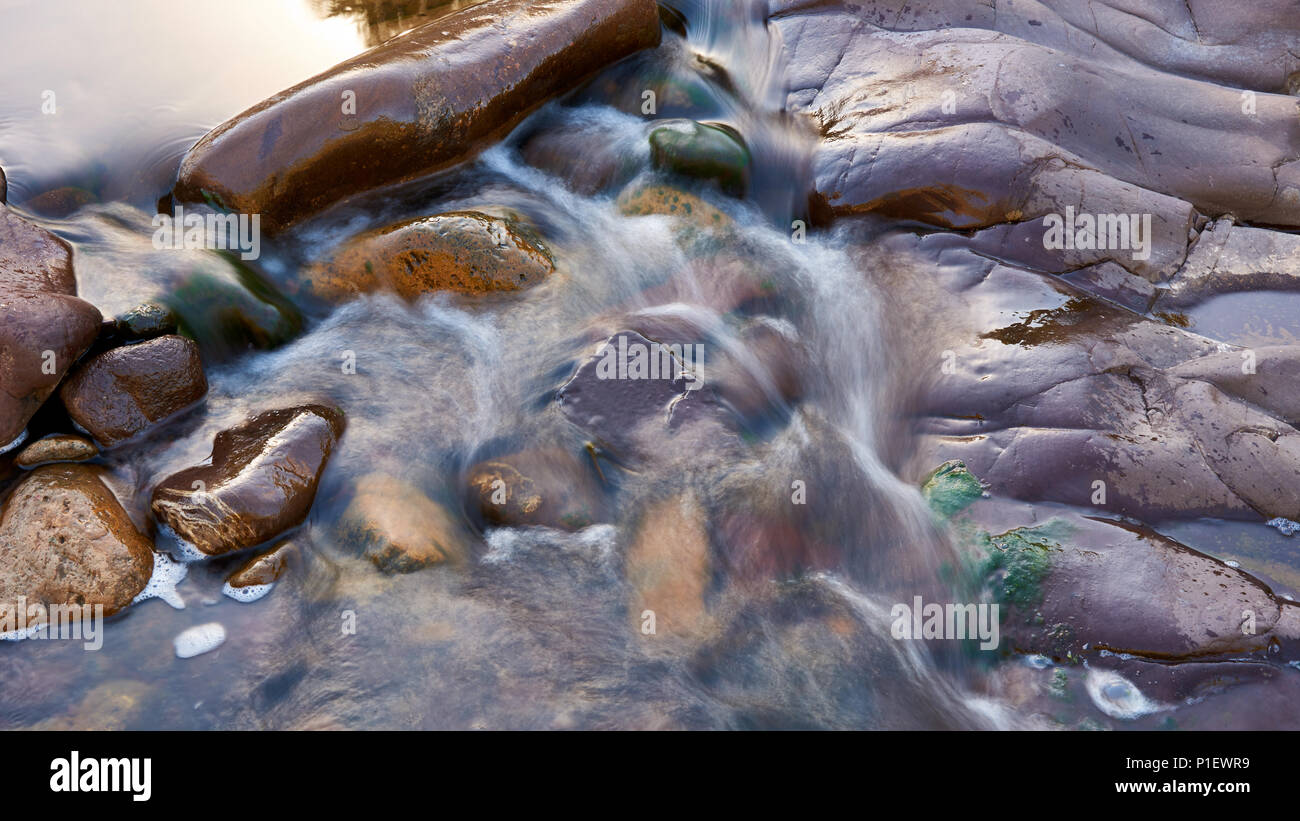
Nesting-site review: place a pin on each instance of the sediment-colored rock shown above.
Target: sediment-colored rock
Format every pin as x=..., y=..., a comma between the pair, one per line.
x=421, y=101
x=66, y=540
x=465, y=251
x=259, y=482
x=668, y=566
x=264, y=568
x=120, y=393
x=61, y=447
x=549, y=487
x=398, y=527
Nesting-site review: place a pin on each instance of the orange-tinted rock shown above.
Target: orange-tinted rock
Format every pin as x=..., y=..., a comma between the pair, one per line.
x=121, y=392
x=668, y=201
x=668, y=567
x=462, y=251
x=398, y=527
x=259, y=482
x=548, y=487
x=60, y=202
x=61, y=447
x=65, y=540
x=264, y=568
x=423, y=101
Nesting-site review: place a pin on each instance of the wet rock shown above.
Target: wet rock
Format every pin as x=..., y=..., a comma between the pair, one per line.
x=549, y=487
x=1075, y=586
x=668, y=201
x=4, y=187
x=398, y=527
x=230, y=311
x=634, y=392
x=464, y=251
x=703, y=152
x=108, y=707
x=424, y=100
x=950, y=93
x=1229, y=258
x=668, y=566
x=60, y=202
x=120, y=393
x=1292, y=87
x=259, y=482
x=65, y=540
x=61, y=447
x=147, y=321
x=264, y=568
x=43, y=326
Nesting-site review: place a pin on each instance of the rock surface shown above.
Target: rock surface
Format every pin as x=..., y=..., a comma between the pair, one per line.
x=264, y=568
x=423, y=100
x=43, y=326
x=548, y=487
x=120, y=393
x=398, y=527
x=62, y=447
x=65, y=540
x=259, y=482
x=465, y=251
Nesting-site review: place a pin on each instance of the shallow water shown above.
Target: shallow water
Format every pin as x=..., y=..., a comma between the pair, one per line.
x=534, y=630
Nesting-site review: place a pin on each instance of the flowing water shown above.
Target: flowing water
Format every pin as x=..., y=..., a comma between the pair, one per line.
x=535, y=630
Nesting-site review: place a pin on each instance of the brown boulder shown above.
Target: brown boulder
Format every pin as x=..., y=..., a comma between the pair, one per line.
x=463, y=251
x=121, y=392
x=423, y=100
x=43, y=326
x=264, y=568
x=549, y=487
x=65, y=540
x=399, y=528
x=259, y=482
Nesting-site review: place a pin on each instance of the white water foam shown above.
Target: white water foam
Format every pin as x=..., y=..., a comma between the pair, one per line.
x=1118, y=697
x=247, y=593
x=162, y=583
x=200, y=639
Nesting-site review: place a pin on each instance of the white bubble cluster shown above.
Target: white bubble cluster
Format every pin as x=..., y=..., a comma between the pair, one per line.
x=162, y=584
x=200, y=639
x=247, y=593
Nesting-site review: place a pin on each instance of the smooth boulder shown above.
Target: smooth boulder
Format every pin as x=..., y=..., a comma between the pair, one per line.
x=416, y=104
x=66, y=540
x=122, y=392
x=463, y=251
x=259, y=482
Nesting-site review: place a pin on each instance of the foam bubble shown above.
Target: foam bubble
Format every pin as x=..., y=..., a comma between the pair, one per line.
x=247, y=593
x=162, y=584
x=202, y=638
x=1288, y=527
x=1118, y=697
x=505, y=542
x=185, y=551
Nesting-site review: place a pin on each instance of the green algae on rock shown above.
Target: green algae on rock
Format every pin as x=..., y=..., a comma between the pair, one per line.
x=951, y=488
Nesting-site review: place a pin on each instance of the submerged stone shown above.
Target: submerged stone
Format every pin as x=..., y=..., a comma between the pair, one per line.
x=702, y=152
x=464, y=251
x=951, y=488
